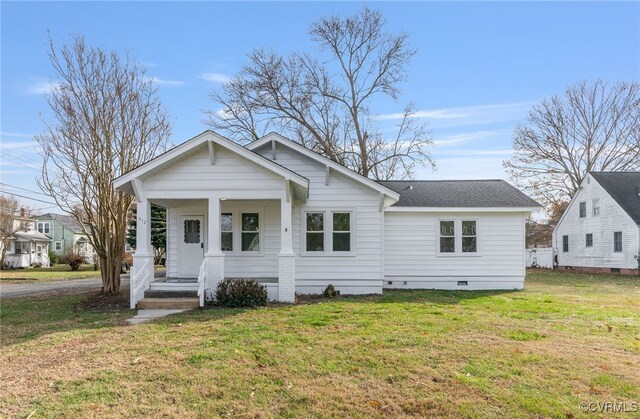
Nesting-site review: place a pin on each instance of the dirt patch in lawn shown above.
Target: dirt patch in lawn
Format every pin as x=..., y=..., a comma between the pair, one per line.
x=98, y=302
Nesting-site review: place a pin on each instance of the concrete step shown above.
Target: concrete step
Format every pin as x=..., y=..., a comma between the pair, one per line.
x=170, y=293
x=173, y=286
x=168, y=303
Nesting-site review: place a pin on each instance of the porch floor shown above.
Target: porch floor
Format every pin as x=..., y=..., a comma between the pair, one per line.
x=172, y=280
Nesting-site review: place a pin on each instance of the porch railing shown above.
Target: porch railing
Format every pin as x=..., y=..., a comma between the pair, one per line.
x=201, y=278
x=140, y=279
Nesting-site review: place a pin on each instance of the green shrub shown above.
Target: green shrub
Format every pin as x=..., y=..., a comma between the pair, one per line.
x=331, y=291
x=53, y=258
x=241, y=293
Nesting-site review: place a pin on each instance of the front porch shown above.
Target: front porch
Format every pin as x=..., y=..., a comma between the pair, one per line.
x=252, y=239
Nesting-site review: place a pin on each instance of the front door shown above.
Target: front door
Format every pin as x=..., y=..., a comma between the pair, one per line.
x=191, y=233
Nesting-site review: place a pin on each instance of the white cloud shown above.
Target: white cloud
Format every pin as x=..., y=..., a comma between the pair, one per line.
x=466, y=115
x=222, y=114
x=164, y=82
x=465, y=137
x=466, y=167
x=215, y=77
x=15, y=134
x=42, y=88
x=11, y=145
x=469, y=152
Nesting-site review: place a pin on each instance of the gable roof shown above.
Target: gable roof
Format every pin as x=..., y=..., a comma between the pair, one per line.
x=124, y=181
x=624, y=188
x=492, y=193
x=66, y=220
x=325, y=161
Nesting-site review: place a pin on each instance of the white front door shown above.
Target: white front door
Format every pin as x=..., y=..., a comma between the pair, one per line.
x=191, y=233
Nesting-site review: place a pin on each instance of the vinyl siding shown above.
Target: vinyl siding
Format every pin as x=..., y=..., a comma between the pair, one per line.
x=612, y=218
x=412, y=258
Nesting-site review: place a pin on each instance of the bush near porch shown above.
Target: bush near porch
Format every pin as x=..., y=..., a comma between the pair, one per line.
x=568, y=338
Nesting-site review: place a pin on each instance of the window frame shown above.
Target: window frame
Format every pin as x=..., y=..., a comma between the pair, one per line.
x=260, y=235
x=615, y=243
x=232, y=231
x=457, y=228
x=56, y=246
x=44, y=224
x=580, y=208
x=328, y=232
x=350, y=231
x=588, y=240
x=565, y=243
x=307, y=231
x=595, y=205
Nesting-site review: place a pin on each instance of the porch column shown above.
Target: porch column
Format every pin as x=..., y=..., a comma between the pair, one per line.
x=213, y=258
x=286, y=257
x=142, y=272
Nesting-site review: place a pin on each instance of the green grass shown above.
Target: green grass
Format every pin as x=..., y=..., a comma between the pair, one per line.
x=54, y=273
x=568, y=338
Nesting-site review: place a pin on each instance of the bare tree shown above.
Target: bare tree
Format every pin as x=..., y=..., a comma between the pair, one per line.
x=9, y=214
x=594, y=127
x=108, y=121
x=325, y=103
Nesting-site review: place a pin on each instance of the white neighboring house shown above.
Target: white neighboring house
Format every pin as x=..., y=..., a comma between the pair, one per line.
x=600, y=230
x=297, y=222
x=27, y=247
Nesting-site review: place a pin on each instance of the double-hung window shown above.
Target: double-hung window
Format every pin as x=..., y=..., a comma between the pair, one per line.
x=458, y=236
x=565, y=243
x=226, y=232
x=617, y=241
x=59, y=246
x=583, y=209
x=44, y=228
x=469, y=237
x=250, y=233
x=589, y=242
x=596, y=207
x=447, y=237
x=328, y=232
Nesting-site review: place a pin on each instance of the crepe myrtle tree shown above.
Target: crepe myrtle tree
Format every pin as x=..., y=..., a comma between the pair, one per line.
x=323, y=98
x=107, y=120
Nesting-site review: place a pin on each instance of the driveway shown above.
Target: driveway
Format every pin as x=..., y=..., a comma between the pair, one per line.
x=63, y=286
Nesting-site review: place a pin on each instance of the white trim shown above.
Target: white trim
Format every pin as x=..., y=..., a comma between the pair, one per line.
x=325, y=161
x=462, y=209
x=198, y=140
x=457, y=237
x=44, y=230
x=212, y=152
x=55, y=246
x=328, y=232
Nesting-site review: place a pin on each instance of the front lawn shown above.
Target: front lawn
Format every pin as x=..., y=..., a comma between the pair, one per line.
x=54, y=273
x=567, y=339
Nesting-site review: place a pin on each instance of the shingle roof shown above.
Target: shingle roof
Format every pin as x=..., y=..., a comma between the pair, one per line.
x=66, y=220
x=624, y=188
x=459, y=194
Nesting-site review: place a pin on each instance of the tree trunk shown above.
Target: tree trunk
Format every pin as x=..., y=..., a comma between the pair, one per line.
x=4, y=253
x=110, y=275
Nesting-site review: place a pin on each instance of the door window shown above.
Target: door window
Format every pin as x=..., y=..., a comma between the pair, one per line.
x=191, y=231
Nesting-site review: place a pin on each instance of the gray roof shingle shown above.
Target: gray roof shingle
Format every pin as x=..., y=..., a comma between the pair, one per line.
x=624, y=188
x=491, y=193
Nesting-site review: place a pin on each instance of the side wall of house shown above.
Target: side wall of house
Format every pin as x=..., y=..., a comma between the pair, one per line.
x=360, y=271
x=412, y=258
x=612, y=218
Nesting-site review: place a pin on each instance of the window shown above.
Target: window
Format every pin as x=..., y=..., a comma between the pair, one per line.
x=447, y=237
x=250, y=236
x=315, y=232
x=39, y=250
x=583, y=209
x=617, y=241
x=59, y=246
x=191, y=231
x=596, y=207
x=20, y=247
x=341, y=232
x=226, y=232
x=565, y=243
x=589, y=242
x=469, y=237
x=44, y=228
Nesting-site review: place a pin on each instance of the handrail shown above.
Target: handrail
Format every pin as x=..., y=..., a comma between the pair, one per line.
x=142, y=284
x=201, y=277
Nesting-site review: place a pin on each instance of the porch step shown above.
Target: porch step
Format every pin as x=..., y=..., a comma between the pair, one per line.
x=171, y=293
x=173, y=286
x=168, y=303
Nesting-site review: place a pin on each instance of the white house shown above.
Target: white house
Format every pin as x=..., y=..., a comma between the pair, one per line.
x=27, y=247
x=297, y=221
x=600, y=230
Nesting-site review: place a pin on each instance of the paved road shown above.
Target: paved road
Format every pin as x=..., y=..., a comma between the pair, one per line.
x=64, y=286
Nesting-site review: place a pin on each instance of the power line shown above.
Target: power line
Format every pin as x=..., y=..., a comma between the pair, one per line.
x=23, y=189
x=26, y=197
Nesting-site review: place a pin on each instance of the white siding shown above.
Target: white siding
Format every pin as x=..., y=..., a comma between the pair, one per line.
x=612, y=218
x=412, y=259
x=229, y=173
x=358, y=273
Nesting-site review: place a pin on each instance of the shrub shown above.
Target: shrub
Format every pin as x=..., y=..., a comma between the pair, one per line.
x=36, y=265
x=73, y=258
x=53, y=258
x=331, y=291
x=241, y=293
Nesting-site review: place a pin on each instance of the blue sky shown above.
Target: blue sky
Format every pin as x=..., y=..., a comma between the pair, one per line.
x=479, y=68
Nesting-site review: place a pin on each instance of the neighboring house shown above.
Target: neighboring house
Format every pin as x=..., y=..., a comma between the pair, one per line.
x=64, y=231
x=600, y=230
x=27, y=247
x=297, y=222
